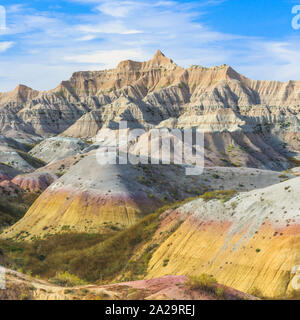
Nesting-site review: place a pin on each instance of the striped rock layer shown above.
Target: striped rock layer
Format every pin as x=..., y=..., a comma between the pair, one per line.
x=250, y=243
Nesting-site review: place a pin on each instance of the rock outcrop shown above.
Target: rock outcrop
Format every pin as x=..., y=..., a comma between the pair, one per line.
x=21, y=286
x=56, y=148
x=251, y=134
x=34, y=182
x=250, y=242
x=91, y=196
x=147, y=93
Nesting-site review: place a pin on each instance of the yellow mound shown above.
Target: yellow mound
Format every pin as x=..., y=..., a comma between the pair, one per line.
x=82, y=212
x=251, y=243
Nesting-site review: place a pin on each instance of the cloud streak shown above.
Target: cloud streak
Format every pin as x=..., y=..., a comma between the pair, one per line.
x=42, y=47
x=5, y=45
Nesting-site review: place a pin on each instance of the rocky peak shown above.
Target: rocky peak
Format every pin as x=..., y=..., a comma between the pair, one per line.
x=128, y=65
x=160, y=59
x=232, y=74
x=20, y=94
x=23, y=91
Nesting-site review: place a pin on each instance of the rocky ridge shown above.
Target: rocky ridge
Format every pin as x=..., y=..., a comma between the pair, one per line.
x=148, y=93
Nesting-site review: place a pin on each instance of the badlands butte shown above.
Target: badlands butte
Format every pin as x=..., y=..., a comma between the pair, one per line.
x=156, y=231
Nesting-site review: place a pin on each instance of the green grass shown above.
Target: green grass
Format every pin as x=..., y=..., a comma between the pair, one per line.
x=34, y=162
x=283, y=176
x=6, y=165
x=60, y=174
x=66, y=279
x=206, y=283
x=106, y=260
x=89, y=257
x=95, y=257
x=294, y=161
x=30, y=146
x=13, y=209
x=223, y=195
x=49, y=256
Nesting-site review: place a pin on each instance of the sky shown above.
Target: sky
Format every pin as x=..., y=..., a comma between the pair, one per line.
x=45, y=41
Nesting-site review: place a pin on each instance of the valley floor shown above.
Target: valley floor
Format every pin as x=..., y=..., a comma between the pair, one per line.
x=22, y=287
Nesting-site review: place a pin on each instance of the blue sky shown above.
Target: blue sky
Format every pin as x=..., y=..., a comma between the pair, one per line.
x=46, y=41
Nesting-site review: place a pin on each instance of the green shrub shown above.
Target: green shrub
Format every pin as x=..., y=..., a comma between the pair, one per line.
x=95, y=257
x=48, y=256
x=204, y=282
x=294, y=161
x=106, y=260
x=207, y=284
x=256, y=292
x=283, y=176
x=89, y=257
x=68, y=291
x=34, y=162
x=14, y=208
x=84, y=291
x=60, y=174
x=165, y=262
x=223, y=195
x=66, y=279
x=220, y=292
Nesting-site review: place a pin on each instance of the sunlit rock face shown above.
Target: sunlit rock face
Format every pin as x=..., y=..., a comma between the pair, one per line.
x=250, y=242
x=147, y=93
x=91, y=196
x=251, y=134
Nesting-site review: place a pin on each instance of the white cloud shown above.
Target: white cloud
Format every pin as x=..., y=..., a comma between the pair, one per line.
x=116, y=8
x=14, y=8
x=272, y=60
x=164, y=3
x=107, y=59
x=116, y=27
x=49, y=46
x=87, y=38
x=5, y=45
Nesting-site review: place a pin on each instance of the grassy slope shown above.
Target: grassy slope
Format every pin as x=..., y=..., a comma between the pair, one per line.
x=13, y=209
x=34, y=162
x=95, y=257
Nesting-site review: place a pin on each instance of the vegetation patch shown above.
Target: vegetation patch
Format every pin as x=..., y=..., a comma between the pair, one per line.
x=13, y=209
x=34, y=162
x=207, y=284
x=66, y=279
x=294, y=161
x=95, y=257
x=223, y=195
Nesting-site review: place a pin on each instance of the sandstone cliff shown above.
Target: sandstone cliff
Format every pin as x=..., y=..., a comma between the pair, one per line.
x=148, y=93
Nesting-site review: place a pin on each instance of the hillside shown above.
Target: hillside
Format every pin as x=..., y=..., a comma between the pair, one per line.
x=148, y=93
x=22, y=287
x=259, y=117
x=144, y=230
x=94, y=198
x=250, y=242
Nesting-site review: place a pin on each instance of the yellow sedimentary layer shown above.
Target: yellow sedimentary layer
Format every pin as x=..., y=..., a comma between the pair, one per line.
x=261, y=264
x=82, y=211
